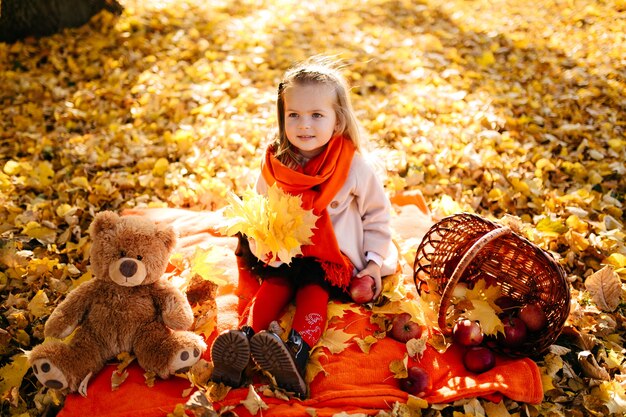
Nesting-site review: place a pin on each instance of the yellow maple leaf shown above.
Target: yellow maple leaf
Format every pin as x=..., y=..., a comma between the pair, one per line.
x=276, y=222
x=484, y=313
x=338, y=309
x=416, y=310
x=482, y=291
x=206, y=263
x=335, y=340
x=479, y=304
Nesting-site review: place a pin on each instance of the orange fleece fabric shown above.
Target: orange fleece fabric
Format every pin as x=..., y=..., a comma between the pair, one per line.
x=353, y=381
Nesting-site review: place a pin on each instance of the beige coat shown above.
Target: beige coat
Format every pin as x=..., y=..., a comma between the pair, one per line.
x=361, y=214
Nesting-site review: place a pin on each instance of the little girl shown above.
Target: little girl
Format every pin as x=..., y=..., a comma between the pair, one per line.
x=316, y=155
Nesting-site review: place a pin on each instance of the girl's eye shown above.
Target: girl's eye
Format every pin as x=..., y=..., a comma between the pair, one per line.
x=293, y=115
x=122, y=254
x=317, y=115
x=139, y=257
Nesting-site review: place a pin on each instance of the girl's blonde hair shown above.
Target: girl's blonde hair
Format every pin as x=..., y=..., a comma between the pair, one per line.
x=323, y=71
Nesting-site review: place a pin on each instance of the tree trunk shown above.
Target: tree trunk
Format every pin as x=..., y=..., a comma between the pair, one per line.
x=22, y=18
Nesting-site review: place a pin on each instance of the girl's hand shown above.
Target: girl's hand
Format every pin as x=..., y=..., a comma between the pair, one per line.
x=373, y=269
x=265, y=258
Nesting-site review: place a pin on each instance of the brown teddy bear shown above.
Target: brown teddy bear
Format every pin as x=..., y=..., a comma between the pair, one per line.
x=126, y=307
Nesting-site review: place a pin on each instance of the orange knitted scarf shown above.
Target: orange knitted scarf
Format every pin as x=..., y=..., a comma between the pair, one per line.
x=317, y=182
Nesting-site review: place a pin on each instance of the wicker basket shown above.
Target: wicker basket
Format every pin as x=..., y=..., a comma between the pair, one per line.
x=466, y=248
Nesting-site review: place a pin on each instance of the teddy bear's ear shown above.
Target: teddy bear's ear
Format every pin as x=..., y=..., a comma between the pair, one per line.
x=168, y=236
x=103, y=221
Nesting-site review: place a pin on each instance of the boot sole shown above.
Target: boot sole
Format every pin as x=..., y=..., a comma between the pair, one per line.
x=230, y=354
x=270, y=354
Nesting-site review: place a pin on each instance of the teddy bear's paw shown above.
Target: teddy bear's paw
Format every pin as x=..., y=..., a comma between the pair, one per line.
x=184, y=360
x=48, y=374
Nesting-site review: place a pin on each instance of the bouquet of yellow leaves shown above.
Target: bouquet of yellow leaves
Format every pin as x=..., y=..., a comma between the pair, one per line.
x=276, y=224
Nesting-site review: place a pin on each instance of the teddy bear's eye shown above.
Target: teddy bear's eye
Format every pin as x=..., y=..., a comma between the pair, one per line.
x=122, y=254
x=139, y=257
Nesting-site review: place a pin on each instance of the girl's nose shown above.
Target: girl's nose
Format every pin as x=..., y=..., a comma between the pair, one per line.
x=304, y=123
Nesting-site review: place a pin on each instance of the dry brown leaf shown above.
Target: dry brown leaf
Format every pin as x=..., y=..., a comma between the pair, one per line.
x=366, y=343
x=590, y=366
x=253, y=402
x=117, y=379
x=605, y=288
x=200, y=406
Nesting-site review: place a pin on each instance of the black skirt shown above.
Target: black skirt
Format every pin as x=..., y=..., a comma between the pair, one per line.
x=300, y=272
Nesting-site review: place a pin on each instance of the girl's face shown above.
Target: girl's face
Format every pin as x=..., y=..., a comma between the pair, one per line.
x=310, y=118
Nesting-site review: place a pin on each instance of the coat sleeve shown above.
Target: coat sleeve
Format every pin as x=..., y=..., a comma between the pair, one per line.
x=374, y=208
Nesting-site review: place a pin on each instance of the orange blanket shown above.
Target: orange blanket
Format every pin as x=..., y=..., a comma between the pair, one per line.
x=352, y=381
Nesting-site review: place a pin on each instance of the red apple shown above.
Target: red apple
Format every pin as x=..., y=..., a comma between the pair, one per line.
x=467, y=333
x=533, y=317
x=403, y=329
x=479, y=359
x=362, y=289
x=417, y=381
x=514, y=332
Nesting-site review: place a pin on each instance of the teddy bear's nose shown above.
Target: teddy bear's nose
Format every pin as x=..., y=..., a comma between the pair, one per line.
x=128, y=268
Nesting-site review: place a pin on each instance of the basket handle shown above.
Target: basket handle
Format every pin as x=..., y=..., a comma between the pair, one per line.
x=467, y=258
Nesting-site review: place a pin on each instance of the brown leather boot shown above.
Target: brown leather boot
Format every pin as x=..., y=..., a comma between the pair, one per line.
x=230, y=354
x=285, y=361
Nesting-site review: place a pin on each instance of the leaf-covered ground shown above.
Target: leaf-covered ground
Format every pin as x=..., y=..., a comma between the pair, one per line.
x=499, y=107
